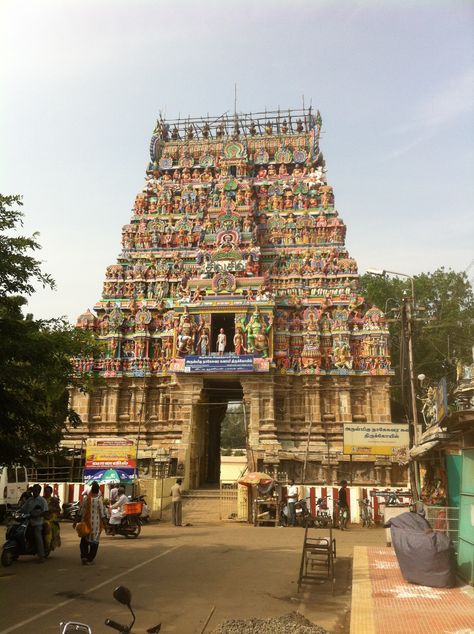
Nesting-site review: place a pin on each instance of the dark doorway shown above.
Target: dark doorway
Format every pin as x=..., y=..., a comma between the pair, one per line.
x=218, y=394
x=227, y=322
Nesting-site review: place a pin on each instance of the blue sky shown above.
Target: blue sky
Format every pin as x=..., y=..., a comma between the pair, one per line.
x=84, y=80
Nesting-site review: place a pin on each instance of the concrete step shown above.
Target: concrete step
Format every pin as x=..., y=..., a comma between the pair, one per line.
x=213, y=494
x=200, y=509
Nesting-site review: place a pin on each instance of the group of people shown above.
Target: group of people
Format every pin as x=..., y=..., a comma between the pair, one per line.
x=44, y=513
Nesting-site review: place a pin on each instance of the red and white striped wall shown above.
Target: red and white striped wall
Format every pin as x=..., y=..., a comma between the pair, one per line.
x=355, y=493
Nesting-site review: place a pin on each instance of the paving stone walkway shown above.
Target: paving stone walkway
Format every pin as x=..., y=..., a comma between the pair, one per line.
x=384, y=603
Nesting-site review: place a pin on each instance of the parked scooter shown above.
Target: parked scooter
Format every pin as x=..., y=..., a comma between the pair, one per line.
x=303, y=515
x=323, y=518
x=19, y=540
x=70, y=511
x=365, y=508
x=122, y=595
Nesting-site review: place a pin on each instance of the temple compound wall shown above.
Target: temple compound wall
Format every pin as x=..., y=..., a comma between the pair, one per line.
x=234, y=285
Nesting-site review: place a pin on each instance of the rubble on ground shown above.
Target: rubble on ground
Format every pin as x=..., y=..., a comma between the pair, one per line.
x=292, y=623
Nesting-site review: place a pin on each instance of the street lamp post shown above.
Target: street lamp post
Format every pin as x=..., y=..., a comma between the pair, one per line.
x=409, y=316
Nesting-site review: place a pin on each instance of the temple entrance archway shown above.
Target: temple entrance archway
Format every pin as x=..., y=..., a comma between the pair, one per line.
x=209, y=412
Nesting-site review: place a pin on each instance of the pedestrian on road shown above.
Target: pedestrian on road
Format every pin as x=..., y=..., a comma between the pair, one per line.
x=177, y=504
x=36, y=507
x=343, y=506
x=292, y=499
x=92, y=514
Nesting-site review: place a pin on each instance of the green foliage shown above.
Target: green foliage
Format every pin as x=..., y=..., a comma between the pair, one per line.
x=443, y=327
x=18, y=268
x=35, y=355
x=233, y=429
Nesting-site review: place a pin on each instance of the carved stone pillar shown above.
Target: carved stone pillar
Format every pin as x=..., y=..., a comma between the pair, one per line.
x=111, y=405
x=378, y=475
x=368, y=399
x=344, y=392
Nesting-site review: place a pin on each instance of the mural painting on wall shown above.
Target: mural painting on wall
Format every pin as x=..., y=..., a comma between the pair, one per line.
x=235, y=248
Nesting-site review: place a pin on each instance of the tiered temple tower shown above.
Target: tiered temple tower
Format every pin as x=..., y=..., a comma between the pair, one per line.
x=234, y=283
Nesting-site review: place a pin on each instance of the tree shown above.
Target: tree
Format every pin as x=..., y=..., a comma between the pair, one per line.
x=36, y=365
x=233, y=428
x=443, y=325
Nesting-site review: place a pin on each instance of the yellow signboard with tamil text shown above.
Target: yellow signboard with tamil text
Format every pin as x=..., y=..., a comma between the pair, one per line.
x=379, y=439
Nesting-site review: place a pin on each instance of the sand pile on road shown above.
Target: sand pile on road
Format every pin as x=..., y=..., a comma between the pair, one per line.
x=292, y=623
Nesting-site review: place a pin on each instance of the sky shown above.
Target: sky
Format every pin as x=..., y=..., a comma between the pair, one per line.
x=83, y=82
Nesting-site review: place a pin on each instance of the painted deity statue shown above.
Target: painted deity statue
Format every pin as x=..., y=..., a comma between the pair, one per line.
x=342, y=357
x=203, y=343
x=221, y=342
x=239, y=341
x=257, y=334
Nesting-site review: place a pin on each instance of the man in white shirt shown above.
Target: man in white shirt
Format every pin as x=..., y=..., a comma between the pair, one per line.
x=117, y=510
x=176, y=506
x=292, y=499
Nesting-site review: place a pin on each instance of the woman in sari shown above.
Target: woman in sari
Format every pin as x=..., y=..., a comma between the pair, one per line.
x=51, y=525
x=92, y=514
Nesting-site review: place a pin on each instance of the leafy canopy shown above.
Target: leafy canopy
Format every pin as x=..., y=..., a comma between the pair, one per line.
x=35, y=355
x=443, y=326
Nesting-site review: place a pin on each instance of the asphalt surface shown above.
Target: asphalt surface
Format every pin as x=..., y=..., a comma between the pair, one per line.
x=182, y=577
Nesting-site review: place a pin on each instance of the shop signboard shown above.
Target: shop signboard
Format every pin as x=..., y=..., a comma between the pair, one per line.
x=375, y=439
x=124, y=475
x=110, y=460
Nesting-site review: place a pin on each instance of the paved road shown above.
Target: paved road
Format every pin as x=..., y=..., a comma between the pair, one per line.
x=177, y=575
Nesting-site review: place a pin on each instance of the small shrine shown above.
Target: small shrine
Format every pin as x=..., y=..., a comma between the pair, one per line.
x=234, y=284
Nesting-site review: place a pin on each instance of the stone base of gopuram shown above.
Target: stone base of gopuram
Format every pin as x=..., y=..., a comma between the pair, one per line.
x=294, y=423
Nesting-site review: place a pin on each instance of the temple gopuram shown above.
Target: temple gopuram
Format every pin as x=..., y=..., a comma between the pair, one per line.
x=234, y=285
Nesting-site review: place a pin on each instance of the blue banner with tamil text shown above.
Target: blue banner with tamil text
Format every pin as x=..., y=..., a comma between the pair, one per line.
x=243, y=363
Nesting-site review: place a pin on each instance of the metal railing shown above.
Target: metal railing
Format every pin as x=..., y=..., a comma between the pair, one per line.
x=444, y=519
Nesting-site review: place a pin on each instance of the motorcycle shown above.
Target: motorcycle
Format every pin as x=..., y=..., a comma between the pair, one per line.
x=323, y=518
x=19, y=540
x=70, y=511
x=123, y=596
x=303, y=514
x=145, y=514
x=365, y=508
x=130, y=525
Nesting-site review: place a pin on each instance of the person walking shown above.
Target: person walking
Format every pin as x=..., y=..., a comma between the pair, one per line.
x=292, y=499
x=343, y=506
x=177, y=504
x=92, y=514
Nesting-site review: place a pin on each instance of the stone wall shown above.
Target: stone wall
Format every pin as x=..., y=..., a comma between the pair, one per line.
x=290, y=420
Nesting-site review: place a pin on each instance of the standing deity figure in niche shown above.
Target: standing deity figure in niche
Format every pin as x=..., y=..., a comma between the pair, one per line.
x=257, y=330
x=239, y=341
x=221, y=342
x=203, y=343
